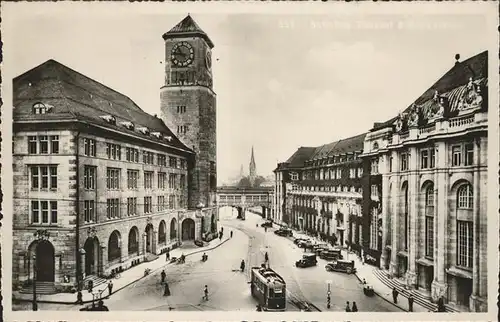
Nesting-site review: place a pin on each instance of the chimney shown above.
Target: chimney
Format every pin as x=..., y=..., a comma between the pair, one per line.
x=457, y=59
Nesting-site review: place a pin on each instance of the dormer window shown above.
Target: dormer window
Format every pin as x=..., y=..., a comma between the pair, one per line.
x=40, y=108
x=156, y=134
x=144, y=130
x=375, y=146
x=128, y=125
x=168, y=138
x=109, y=118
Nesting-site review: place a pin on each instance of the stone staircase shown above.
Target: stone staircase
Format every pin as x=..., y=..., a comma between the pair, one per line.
x=96, y=279
x=150, y=257
x=418, y=298
x=44, y=288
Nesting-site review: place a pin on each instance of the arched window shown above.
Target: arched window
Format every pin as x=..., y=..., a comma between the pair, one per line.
x=133, y=241
x=162, y=234
x=375, y=146
x=114, y=246
x=464, y=197
x=429, y=195
x=173, y=229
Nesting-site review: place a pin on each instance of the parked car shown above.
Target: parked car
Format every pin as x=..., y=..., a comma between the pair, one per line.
x=341, y=266
x=268, y=224
x=298, y=240
x=283, y=232
x=331, y=254
x=307, y=260
x=199, y=243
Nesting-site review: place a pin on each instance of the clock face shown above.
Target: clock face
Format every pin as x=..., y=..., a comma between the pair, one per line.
x=182, y=54
x=208, y=59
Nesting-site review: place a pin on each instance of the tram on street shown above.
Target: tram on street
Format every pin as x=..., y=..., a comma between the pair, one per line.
x=269, y=288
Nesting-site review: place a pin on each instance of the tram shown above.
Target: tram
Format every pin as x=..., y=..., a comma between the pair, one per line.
x=269, y=288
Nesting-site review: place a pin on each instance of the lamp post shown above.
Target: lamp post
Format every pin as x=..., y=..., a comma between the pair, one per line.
x=328, y=293
x=34, y=304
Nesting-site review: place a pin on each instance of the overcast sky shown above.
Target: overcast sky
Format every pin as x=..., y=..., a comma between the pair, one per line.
x=282, y=81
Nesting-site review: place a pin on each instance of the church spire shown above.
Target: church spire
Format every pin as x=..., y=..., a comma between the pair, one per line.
x=253, y=170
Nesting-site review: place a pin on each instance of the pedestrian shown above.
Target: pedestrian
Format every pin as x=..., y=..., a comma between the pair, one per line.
x=354, y=307
x=410, y=303
x=231, y=234
x=395, y=295
x=101, y=306
x=167, y=255
x=163, y=276
x=266, y=257
x=110, y=287
x=91, y=286
x=166, y=290
x=347, y=307
x=364, y=281
x=265, y=229
x=440, y=303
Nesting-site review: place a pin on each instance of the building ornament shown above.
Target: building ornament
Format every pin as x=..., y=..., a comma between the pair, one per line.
x=41, y=234
x=399, y=122
x=413, y=116
x=436, y=110
x=472, y=97
x=92, y=232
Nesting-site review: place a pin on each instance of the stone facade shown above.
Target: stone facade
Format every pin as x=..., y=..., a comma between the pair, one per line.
x=100, y=185
x=433, y=213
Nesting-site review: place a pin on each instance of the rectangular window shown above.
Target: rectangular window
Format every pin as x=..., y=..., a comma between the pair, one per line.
x=148, y=157
x=172, y=162
x=183, y=165
x=89, y=211
x=43, y=177
x=132, y=155
x=360, y=172
x=374, y=191
x=469, y=154
x=464, y=243
x=44, y=212
x=89, y=147
x=114, y=151
x=35, y=212
x=162, y=160
x=171, y=202
x=374, y=166
x=113, y=178
x=424, y=159
x=32, y=145
x=89, y=175
x=171, y=180
x=113, y=208
x=131, y=206
x=352, y=173
x=429, y=236
x=161, y=203
x=162, y=179
x=404, y=161
x=294, y=176
x=132, y=179
x=54, y=144
x=432, y=158
x=44, y=144
x=148, y=205
x=456, y=158
x=339, y=173
x=148, y=180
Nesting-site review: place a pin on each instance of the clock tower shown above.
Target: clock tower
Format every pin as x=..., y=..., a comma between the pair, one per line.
x=188, y=105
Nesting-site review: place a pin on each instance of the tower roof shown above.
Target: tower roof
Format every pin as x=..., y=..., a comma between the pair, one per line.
x=187, y=27
x=252, y=158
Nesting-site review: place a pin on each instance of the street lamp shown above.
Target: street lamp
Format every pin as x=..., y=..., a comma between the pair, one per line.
x=328, y=293
x=34, y=304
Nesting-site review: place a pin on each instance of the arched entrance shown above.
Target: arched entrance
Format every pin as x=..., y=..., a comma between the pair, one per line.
x=173, y=229
x=91, y=248
x=133, y=241
x=162, y=233
x=45, y=261
x=188, y=229
x=149, y=238
x=114, y=246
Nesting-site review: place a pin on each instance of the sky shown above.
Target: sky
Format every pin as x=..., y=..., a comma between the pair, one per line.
x=283, y=80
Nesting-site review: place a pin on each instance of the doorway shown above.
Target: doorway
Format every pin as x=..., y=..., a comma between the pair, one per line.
x=45, y=262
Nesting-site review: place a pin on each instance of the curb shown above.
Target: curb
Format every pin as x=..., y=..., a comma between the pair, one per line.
x=382, y=297
x=119, y=289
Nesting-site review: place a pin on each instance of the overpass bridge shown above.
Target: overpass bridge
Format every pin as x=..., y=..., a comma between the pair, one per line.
x=245, y=198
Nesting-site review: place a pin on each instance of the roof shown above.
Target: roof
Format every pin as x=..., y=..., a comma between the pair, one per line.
x=187, y=27
x=74, y=96
x=451, y=85
x=348, y=145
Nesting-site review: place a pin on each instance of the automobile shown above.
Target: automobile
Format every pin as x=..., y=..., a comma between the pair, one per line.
x=268, y=224
x=284, y=232
x=341, y=265
x=319, y=247
x=331, y=254
x=305, y=244
x=297, y=240
x=307, y=260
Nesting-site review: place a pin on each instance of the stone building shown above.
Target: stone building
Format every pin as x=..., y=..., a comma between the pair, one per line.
x=100, y=185
x=427, y=175
x=321, y=190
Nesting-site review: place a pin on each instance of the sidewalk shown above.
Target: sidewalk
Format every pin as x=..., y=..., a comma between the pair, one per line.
x=127, y=278
x=366, y=271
